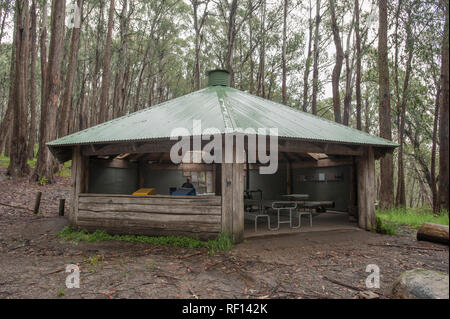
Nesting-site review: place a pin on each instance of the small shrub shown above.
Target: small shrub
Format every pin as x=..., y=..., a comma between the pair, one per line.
x=43, y=180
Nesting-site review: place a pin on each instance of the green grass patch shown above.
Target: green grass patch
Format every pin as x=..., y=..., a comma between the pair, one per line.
x=66, y=170
x=4, y=160
x=388, y=221
x=222, y=243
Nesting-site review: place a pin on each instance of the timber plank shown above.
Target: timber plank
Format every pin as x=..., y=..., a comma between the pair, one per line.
x=151, y=200
x=155, y=209
x=162, y=218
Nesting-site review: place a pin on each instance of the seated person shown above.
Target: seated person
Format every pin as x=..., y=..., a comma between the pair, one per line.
x=187, y=184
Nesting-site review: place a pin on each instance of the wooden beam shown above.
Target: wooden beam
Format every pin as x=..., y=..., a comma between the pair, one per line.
x=120, y=148
x=327, y=162
x=294, y=146
x=180, y=167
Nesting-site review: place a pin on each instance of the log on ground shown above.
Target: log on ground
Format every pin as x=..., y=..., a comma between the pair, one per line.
x=434, y=233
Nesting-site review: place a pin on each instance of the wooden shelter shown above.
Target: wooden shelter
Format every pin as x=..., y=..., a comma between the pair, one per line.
x=113, y=159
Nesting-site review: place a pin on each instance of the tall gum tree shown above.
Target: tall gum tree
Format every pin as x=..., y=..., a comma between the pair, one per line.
x=386, y=163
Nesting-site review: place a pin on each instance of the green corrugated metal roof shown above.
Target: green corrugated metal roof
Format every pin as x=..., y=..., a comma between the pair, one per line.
x=226, y=109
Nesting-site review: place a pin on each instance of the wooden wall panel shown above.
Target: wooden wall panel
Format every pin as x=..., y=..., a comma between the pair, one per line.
x=151, y=215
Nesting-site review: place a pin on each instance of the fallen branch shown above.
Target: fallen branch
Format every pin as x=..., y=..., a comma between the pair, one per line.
x=302, y=294
x=343, y=284
x=19, y=207
x=192, y=293
x=193, y=254
x=55, y=271
x=408, y=247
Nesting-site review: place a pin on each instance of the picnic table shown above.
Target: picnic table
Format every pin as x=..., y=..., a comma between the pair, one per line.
x=278, y=206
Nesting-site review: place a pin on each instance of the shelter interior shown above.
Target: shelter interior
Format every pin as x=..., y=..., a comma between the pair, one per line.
x=112, y=179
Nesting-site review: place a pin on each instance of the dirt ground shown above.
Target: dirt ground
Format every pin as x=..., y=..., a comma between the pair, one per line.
x=304, y=265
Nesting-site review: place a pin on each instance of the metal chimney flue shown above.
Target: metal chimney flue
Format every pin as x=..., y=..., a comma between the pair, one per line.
x=218, y=77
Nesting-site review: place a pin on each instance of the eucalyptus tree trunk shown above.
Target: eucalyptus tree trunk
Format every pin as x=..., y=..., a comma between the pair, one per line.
x=68, y=88
x=400, y=199
x=103, y=114
x=338, y=65
x=315, y=81
x=93, y=105
x=198, y=27
x=5, y=125
x=348, y=75
x=283, y=54
x=443, y=114
x=308, y=63
x=119, y=90
x=43, y=60
x=18, y=166
x=32, y=85
x=45, y=162
x=358, y=68
x=434, y=190
x=230, y=38
x=261, y=89
x=252, y=64
x=386, y=163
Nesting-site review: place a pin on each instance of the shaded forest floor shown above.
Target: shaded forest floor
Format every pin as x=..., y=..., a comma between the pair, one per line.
x=33, y=259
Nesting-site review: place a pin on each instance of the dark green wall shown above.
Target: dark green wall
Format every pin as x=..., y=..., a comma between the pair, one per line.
x=272, y=185
x=162, y=180
x=275, y=185
x=337, y=191
x=112, y=180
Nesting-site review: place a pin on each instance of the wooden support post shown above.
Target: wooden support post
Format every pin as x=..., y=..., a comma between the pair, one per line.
x=288, y=178
x=37, y=202
x=353, y=201
x=79, y=181
x=141, y=169
x=227, y=198
x=366, y=189
x=62, y=202
x=233, y=200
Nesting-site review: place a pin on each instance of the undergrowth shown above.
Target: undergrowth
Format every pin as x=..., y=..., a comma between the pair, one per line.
x=222, y=243
x=388, y=221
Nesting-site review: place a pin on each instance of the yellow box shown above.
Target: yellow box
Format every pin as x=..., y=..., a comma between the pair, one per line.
x=145, y=191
